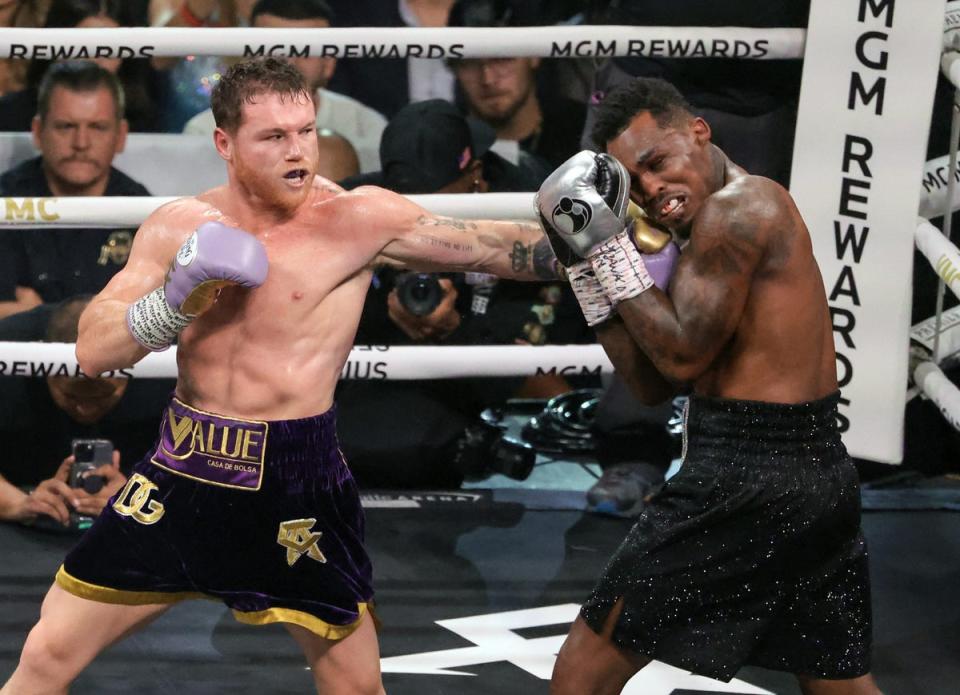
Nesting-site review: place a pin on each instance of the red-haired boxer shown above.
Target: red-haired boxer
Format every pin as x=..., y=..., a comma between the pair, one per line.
x=246, y=497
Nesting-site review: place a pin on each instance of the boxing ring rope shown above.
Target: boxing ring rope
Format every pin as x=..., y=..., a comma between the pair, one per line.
x=40, y=359
x=560, y=41
x=131, y=211
x=365, y=362
x=937, y=247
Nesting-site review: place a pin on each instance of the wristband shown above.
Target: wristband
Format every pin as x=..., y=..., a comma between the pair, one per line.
x=620, y=268
x=153, y=323
x=589, y=293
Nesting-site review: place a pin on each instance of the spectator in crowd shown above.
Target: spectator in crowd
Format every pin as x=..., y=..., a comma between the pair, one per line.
x=750, y=104
x=390, y=83
x=504, y=92
x=200, y=13
x=135, y=74
x=360, y=125
x=79, y=127
x=187, y=82
x=338, y=158
x=41, y=417
x=431, y=147
x=18, y=13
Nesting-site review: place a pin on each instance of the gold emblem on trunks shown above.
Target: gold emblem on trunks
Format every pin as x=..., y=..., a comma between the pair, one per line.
x=134, y=501
x=299, y=539
x=235, y=443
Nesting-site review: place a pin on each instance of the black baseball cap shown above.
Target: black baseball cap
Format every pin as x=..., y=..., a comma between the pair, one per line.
x=492, y=13
x=428, y=144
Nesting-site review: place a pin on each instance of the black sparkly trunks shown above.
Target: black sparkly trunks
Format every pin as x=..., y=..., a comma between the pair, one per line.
x=751, y=554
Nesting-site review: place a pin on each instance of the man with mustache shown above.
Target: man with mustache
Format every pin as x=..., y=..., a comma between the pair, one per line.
x=79, y=128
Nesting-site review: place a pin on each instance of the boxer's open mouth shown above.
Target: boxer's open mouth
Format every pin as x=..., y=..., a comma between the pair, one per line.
x=668, y=207
x=296, y=175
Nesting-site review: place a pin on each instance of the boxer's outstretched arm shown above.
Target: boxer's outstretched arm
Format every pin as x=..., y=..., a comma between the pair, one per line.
x=104, y=341
x=421, y=240
x=517, y=250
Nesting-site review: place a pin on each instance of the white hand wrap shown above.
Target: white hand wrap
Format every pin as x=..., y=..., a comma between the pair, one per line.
x=589, y=292
x=620, y=268
x=153, y=323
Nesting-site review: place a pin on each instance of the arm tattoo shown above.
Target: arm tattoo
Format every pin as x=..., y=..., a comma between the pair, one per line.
x=518, y=257
x=449, y=222
x=536, y=257
x=443, y=243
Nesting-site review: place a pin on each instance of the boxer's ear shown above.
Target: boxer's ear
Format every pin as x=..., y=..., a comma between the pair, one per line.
x=224, y=144
x=701, y=130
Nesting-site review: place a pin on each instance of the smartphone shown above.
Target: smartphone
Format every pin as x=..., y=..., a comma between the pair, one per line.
x=88, y=455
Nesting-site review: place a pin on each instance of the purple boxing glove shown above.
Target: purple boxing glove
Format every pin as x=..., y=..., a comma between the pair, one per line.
x=661, y=264
x=213, y=257
x=624, y=271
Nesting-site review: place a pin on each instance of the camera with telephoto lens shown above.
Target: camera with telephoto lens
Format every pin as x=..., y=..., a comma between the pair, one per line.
x=419, y=293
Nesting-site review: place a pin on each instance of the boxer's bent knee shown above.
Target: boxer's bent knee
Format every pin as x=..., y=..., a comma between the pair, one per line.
x=50, y=659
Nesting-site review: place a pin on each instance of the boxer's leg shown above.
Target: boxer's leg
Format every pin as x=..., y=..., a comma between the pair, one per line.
x=70, y=633
x=349, y=666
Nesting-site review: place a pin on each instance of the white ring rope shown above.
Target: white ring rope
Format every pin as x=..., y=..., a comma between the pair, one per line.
x=943, y=255
x=561, y=41
x=131, y=211
x=365, y=362
x=939, y=389
x=933, y=196
x=950, y=67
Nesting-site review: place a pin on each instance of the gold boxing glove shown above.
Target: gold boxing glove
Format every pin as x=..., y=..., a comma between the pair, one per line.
x=648, y=239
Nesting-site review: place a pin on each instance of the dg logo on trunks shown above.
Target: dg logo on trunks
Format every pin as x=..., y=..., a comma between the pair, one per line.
x=212, y=448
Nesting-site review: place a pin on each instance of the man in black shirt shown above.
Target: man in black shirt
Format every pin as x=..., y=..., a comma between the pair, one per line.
x=40, y=417
x=516, y=96
x=79, y=128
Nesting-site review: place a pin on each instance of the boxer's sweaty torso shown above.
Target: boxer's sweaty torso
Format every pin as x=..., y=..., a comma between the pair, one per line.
x=276, y=352
x=782, y=348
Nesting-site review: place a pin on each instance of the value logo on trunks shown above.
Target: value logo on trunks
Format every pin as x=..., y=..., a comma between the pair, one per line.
x=299, y=539
x=212, y=448
x=135, y=497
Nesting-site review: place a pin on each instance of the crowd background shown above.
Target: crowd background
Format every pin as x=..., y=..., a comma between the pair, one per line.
x=414, y=126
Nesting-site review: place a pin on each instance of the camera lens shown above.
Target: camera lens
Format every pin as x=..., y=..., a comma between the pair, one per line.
x=419, y=293
x=84, y=452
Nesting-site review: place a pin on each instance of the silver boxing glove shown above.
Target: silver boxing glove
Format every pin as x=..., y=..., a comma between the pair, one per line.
x=582, y=204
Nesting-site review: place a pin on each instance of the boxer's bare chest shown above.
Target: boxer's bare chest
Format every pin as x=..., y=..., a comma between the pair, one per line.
x=317, y=269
